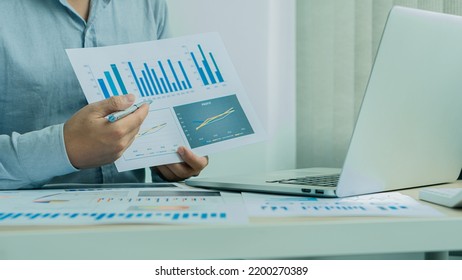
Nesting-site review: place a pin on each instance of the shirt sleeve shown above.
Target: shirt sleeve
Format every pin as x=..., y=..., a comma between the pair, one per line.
x=33, y=158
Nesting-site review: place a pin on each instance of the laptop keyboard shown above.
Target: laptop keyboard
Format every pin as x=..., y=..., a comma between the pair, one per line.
x=321, y=181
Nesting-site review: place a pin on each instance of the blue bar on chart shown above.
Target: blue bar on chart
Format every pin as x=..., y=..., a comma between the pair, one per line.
x=151, y=79
x=208, y=75
x=164, y=74
x=104, y=88
x=116, y=72
x=111, y=83
x=108, y=82
x=138, y=84
x=159, y=79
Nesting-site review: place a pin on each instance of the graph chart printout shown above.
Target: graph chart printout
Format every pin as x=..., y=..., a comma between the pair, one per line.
x=213, y=120
x=198, y=99
x=120, y=206
x=382, y=204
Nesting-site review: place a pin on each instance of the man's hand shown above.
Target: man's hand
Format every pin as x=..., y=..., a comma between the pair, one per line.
x=92, y=141
x=191, y=166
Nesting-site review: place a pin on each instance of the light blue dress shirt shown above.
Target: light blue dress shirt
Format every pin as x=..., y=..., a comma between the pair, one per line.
x=39, y=90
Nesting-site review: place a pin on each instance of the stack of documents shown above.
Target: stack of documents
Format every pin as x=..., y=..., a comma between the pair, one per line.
x=176, y=204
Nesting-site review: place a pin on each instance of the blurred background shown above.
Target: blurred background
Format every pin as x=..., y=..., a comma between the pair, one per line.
x=304, y=65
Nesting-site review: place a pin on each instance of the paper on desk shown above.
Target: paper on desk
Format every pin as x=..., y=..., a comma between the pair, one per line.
x=383, y=204
x=120, y=206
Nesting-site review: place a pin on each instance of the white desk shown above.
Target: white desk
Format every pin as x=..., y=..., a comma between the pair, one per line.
x=261, y=239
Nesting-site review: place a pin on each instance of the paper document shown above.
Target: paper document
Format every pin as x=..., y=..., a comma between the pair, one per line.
x=383, y=204
x=198, y=100
x=120, y=206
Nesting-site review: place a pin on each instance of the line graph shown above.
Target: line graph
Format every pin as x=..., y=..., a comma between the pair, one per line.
x=151, y=130
x=216, y=118
x=195, y=120
x=159, y=135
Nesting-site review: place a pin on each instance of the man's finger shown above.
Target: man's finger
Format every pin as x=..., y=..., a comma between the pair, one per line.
x=195, y=162
x=135, y=119
x=113, y=104
x=167, y=173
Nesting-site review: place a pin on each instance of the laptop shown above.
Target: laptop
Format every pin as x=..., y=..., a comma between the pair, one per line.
x=409, y=129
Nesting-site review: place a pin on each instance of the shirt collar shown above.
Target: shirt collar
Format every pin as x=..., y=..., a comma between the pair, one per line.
x=95, y=7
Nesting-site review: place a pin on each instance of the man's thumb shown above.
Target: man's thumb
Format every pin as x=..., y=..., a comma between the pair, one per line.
x=114, y=104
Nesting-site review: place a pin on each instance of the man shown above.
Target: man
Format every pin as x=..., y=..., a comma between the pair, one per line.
x=47, y=132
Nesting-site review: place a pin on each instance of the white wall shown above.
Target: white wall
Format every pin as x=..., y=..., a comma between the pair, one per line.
x=337, y=41
x=260, y=38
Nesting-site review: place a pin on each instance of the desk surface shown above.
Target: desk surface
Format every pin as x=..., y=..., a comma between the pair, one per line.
x=274, y=238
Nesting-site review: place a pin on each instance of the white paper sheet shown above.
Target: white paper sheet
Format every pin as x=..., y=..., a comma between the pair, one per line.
x=120, y=206
x=383, y=204
x=198, y=99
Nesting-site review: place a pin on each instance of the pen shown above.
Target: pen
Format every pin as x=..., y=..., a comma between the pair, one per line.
x=118, y=115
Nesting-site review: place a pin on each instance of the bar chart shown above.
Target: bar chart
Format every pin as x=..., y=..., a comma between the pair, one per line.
x=208, y=75
x=159, y=78
x=108, y=82
x=82, y=217
x=156, y=78
x=120, y=206
x=382, y=204
x=187, y=67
